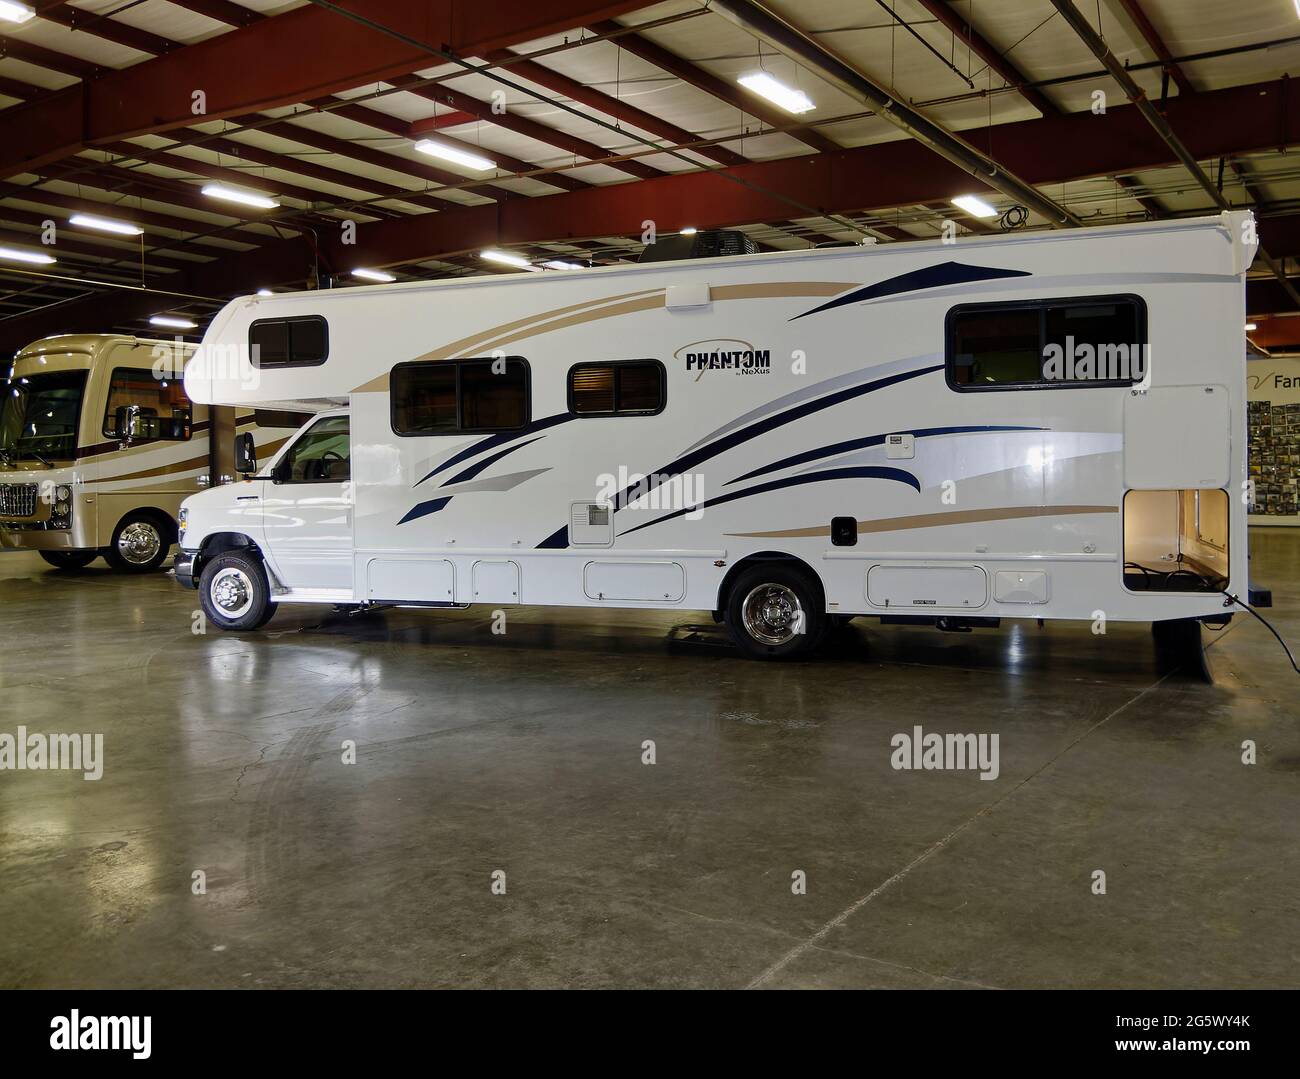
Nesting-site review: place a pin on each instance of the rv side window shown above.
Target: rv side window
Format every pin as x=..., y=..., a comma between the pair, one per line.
x=450, y=397
x=625, y=388
x=165, y=412
x=1041, y=344
x=288, y=342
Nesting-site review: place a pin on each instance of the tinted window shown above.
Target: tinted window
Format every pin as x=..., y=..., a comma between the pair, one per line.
x=635, y=387
x=464, y=395
x=288, y=342
x=322, y=454
x=1047, y=343
x=165, y=411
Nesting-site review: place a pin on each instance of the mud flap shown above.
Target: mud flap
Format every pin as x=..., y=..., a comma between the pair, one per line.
x=1180, y=645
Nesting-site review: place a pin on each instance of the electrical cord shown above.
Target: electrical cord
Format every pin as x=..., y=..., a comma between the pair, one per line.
x=1285, y=648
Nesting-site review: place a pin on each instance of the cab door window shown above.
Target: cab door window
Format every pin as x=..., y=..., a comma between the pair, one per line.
x=322, y=455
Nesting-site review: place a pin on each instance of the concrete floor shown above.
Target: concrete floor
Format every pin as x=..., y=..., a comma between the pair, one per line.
x=522, y=753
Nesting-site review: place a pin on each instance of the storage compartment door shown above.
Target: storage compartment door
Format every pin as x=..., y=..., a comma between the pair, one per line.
x=496, y=582
x=1176, y=437
x=646, y=582
x=410, y=580
x=927, y=587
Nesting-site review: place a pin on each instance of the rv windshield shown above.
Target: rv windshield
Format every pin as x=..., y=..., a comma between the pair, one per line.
x=38, y=416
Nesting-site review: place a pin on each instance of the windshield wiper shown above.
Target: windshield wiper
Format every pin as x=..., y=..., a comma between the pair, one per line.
x=38, y=457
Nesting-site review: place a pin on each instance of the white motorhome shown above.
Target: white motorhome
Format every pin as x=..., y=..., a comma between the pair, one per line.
x=99, y=444
x=1046, y=425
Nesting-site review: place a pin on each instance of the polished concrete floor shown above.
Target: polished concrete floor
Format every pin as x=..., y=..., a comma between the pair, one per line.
x=522, y=753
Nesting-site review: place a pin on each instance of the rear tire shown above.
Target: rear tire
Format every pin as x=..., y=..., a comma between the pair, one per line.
x=775, y=612
x=69, y=559
x=140, y=543
x=235, y=593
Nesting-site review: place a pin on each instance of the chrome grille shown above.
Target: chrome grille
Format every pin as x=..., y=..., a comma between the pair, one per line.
x=17, y=499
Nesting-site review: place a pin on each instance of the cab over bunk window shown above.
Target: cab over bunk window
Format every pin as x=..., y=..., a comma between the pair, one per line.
x=454, y=396
x=302, y=341
x=1045, y=344
x=164, y=412
x=623, y=388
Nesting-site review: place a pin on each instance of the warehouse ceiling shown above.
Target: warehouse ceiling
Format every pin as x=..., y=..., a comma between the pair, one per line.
x=593, y=118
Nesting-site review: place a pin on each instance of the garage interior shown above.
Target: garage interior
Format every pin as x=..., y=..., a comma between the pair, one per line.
x=478, y=752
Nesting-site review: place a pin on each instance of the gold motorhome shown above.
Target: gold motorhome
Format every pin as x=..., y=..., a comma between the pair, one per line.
x=99, y=444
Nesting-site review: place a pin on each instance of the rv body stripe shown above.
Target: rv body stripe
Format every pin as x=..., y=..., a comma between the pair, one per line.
x=492, y=441
x=946, y=273
x=736, y=438
x=931, y=520
x=868, y=472
x=423, y=509
x=817, y=388
x=864, y=443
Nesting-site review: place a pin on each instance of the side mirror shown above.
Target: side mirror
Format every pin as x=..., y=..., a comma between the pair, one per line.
x=245, y=454
x=127, y=422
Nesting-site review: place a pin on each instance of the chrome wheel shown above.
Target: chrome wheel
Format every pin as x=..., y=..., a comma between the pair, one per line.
x=772, y=614
x=231, y=592
x=139, y=543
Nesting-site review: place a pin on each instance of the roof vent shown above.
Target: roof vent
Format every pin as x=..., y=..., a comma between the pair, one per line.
x=714, y=243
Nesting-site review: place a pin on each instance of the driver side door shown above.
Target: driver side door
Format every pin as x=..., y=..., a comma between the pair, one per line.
x=307, y=509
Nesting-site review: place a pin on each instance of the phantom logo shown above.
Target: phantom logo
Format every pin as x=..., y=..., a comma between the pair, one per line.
x=725, y=354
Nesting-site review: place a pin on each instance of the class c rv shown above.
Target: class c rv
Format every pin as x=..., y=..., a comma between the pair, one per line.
x=1033, y=426
x=99, y=444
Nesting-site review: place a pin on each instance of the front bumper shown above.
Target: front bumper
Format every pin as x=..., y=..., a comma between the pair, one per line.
x=184, y=567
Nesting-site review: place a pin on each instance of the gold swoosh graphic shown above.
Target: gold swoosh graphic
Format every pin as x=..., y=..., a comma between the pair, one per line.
x=935, y=520
x=608, y=307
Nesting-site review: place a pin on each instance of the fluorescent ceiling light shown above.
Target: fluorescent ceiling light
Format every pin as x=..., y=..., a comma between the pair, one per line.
x=18, y=255
x=691, y=230
x=795, y=101
x=974, y=205
x=455, y=155
x=14, y=12
x=104, y=224
x=374, y=275
x=1250, y=326
x=506, y=259
x=264, y=292
x=171, y=322
x=231, y=194
x=560, y=264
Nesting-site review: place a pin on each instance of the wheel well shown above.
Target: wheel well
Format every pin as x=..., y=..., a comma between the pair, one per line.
x=161, y=517
x=220, y=542
x=763, y=558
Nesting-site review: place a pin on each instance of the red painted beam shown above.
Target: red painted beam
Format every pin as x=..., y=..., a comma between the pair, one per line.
x=419, y=128
x=304, y=53
x=48, y=58
x=688, y=72
x=900, y=173
x=988, y=52
x=608, y=105
x=521, y=125
x=109, y=29
x=1157, y=44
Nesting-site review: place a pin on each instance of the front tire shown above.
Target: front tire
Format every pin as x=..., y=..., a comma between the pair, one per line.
x=69, y=559
x=775, y=612
x=140, y=543
x=235, y=593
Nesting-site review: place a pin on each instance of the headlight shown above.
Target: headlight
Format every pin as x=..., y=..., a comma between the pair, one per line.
x=63, y=493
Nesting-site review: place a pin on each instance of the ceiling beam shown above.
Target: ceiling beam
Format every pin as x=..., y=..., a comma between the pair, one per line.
x=1157, y=45
x=609, y=105
x=1051, y=150
x=988, y=52
x=222, y=11
x=88, y=22
x=688, y=72
x=521, y=125
x=303, y=53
